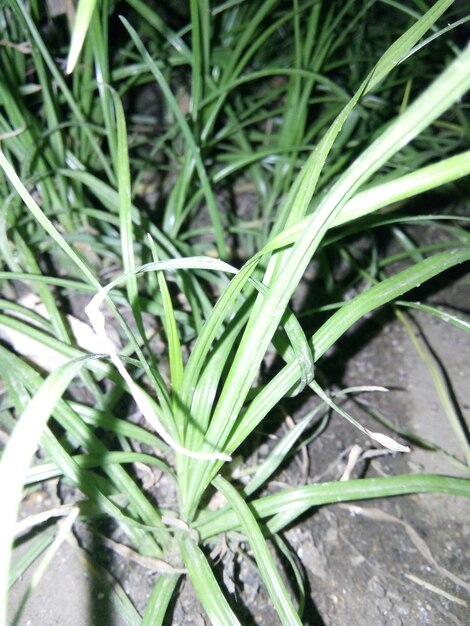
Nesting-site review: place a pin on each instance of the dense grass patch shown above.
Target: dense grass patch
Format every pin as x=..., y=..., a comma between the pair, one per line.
x=179, y=168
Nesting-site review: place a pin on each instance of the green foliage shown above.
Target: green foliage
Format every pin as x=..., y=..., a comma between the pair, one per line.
x=321, y=129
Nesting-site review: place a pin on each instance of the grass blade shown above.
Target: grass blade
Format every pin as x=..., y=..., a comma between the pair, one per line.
x=205, y=584
x=267, y=567
x=17, y=457
x=400, y=49
x=85, y=10
x=160, y=598
x=440, y=385
x=419, y=181
x=444, y=316
x=291, y=503
x=169, y=323
x=43, y=220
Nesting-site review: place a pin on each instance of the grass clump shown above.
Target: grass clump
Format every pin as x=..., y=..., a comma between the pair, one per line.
x=124, y=182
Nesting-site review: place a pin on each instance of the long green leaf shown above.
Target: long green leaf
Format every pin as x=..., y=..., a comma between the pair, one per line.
x=85, y=10
x=419, y=181
x=45, y=471
x=17, y=457
x=160, y=598
x=400, y=49
x=267, y=567
x=206, y=586
x=44, y=220
x=291, y=503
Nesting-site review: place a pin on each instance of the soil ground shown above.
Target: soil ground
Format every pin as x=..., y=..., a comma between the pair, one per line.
x=400, y=561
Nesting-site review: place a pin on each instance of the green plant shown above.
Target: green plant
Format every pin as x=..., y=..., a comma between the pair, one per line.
x=206, y=401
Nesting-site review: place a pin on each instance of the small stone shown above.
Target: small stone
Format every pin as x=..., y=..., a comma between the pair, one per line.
x=375, y=586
